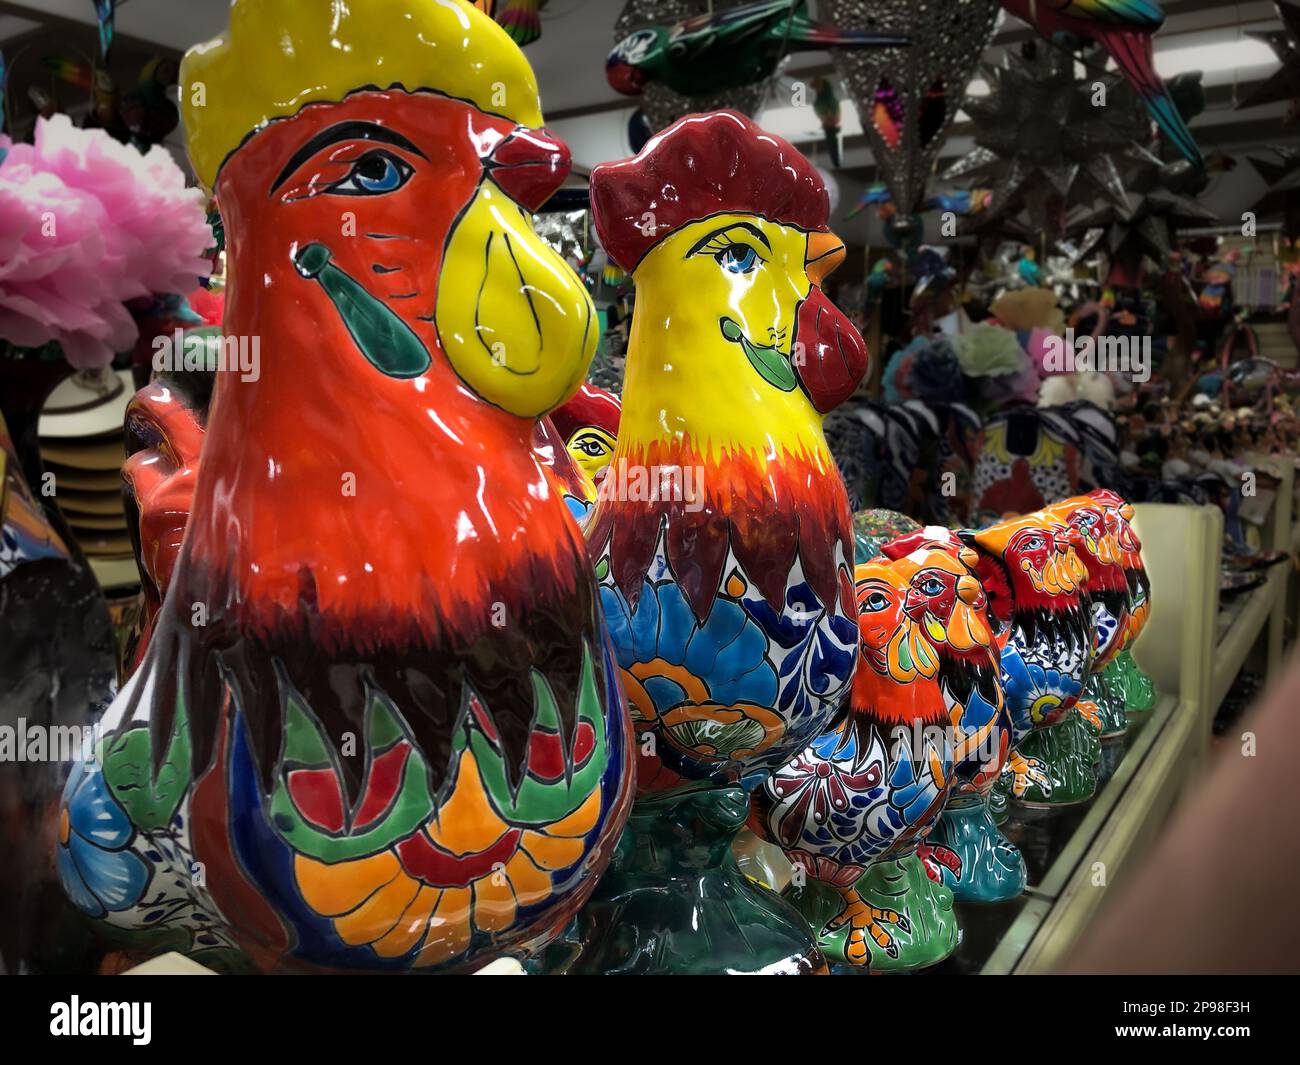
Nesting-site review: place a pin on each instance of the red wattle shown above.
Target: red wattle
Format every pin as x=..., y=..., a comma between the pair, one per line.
x=830, y=356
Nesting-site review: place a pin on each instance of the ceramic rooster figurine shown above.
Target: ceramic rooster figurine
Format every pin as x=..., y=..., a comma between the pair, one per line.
x=1130, y=685
x=1035, y=581
x=377, y=726
x=712, y=53
x=1109, y=599
x=721, y=535
x=588, y=425
x=1125, y=29
x=851, y=808
x=164, y=428
x=966, y=850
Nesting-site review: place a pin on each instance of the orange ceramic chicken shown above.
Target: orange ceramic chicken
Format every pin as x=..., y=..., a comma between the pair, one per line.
x=378, y=709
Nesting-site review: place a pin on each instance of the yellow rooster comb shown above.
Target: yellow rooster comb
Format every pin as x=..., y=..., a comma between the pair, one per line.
x=278, y=55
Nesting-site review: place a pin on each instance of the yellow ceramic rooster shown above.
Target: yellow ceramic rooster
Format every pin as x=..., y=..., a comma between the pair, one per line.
x=722, y=532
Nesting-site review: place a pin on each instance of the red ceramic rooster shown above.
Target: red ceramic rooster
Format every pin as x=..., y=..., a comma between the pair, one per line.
x=378, y=708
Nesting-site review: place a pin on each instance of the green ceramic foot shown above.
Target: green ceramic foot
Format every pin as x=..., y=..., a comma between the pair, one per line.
x=674, y=901
x=1109, y=707
x=1069, y=752
x=895, y=901
x=976, y=860
x=1134, y=688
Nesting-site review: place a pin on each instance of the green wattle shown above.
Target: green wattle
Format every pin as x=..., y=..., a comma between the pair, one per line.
x=771, y=365
x=385, y=340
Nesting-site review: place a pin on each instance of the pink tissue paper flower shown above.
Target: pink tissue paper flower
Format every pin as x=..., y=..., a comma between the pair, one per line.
x=87, y=223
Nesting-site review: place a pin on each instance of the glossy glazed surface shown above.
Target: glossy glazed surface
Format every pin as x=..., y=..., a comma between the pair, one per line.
x=588, y=425
x=392, y=735
x=164, y=437
x=965, y=850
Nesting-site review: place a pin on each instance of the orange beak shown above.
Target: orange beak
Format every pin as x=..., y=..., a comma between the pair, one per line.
x=825, y=253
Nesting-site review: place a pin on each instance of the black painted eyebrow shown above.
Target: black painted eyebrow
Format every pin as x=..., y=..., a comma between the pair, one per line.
x=724, y=229
x=356, y=130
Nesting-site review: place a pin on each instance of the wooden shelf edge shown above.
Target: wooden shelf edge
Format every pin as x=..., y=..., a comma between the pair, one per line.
x=1230, y=652
x=1132, y=825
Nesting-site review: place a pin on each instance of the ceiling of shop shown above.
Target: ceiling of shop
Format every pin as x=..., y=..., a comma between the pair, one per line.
x=571, y=28
x=584, y=110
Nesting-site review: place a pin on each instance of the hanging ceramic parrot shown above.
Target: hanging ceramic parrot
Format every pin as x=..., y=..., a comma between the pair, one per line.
x=1124, y=28
x=1029, y=270
x=65, y=68
x=727, y=49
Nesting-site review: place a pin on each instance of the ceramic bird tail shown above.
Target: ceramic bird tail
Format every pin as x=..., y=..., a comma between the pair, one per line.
x=801, y=30
x=1124, y=28
x=105, y=16
x=73, y=71
x=521, y=19
x=1135, y=55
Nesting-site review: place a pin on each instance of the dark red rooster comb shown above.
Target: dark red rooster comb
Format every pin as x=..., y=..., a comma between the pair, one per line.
x=590, y=405
x=703, y=165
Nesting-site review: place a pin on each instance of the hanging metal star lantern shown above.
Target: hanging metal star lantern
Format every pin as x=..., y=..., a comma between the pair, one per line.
x=1283, y=196
x=1044, y=142
x=1284, y=85
x=908, y=98
x=1145, y=227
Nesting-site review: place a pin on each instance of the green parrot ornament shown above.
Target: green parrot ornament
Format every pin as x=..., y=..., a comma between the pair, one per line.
x=725, y=50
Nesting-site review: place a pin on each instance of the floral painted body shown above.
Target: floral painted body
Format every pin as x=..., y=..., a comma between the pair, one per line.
x=869, y=790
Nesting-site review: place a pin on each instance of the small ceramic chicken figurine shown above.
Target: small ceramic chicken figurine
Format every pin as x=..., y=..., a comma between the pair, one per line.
x=588, y=425
x=164, y=437
x=1035, y=583
x=378, y=711
x=966, y=850
x=721, y=535
x=1127, y=682
x=1108, y=594
x=851, y=809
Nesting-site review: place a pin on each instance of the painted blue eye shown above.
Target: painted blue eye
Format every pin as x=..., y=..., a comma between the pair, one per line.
x=876, y=601
x=737, y=258
x=374, y=174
